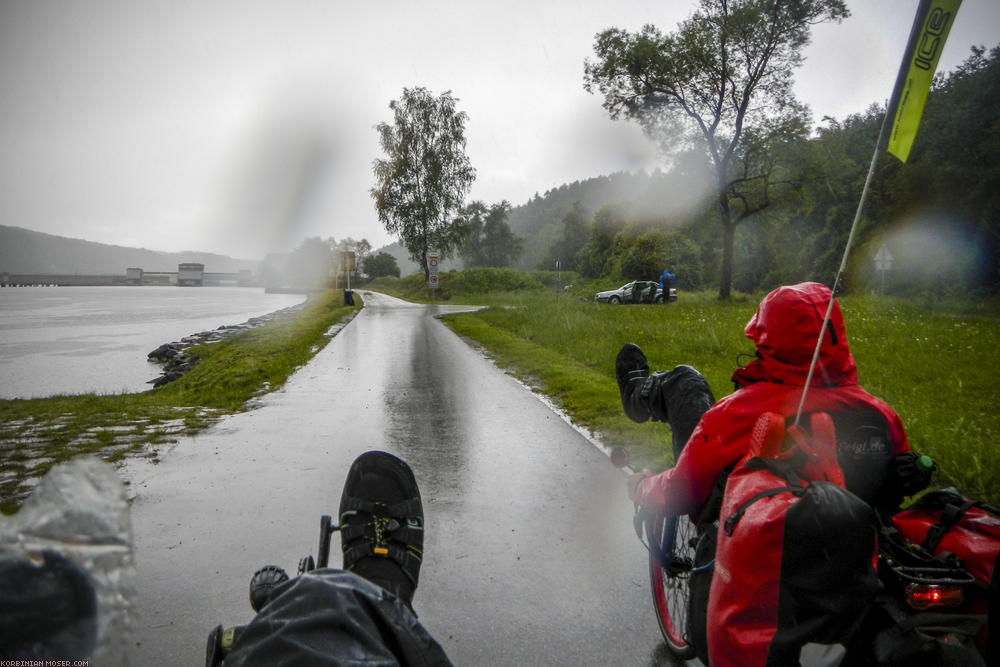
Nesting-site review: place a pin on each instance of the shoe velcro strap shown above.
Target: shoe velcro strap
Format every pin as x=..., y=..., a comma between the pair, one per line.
x=407, y=559
x=402, y=510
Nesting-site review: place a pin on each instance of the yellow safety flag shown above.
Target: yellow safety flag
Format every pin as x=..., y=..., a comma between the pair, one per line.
x=927, y=37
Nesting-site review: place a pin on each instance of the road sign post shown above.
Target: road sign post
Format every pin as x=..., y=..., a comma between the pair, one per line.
x=558, y=279
x=433, y=257
x=883, y=263
x=347, y=264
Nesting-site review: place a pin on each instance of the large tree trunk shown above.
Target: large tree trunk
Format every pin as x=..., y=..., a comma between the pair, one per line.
x=423, y=253
x=728, y=241
x=726, y=274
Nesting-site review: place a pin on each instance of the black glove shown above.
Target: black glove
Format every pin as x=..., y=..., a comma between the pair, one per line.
x=912, y=472
x=47, y=611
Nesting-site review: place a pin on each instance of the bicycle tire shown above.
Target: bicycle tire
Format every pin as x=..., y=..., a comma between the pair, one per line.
x=670, y=586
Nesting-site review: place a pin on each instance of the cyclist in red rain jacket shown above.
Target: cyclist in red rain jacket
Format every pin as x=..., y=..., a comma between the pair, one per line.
x=708, y=439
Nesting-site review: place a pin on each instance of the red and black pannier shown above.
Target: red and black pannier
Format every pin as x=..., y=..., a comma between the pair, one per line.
x=944, y=522
x=951, y=526
x=795, y=561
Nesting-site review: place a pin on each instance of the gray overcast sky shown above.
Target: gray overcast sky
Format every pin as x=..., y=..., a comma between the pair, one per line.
x=243, y=127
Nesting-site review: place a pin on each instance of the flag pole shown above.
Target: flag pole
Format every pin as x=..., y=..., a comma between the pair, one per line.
x=930, y=29
x=843, y=267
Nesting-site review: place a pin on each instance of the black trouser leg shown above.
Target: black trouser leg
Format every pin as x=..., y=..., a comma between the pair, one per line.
x=678, y=397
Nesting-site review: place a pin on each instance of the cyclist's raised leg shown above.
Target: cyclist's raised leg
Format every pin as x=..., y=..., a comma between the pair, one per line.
x=683, y=395
x=678, y=397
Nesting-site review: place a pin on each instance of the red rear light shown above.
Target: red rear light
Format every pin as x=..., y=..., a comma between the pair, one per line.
x=924, y=596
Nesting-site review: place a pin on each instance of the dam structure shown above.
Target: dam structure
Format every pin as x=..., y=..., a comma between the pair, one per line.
x=188, y=274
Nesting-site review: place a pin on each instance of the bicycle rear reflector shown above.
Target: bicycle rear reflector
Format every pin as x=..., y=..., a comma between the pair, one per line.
x=924, y=596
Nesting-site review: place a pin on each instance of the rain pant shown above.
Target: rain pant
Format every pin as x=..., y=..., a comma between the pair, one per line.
x=332, y=617
x=785, y=329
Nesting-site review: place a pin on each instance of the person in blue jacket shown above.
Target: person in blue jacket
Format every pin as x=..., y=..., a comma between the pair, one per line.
x=667, y=280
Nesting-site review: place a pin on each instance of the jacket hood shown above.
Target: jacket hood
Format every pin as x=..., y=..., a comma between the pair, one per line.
x=785, y=328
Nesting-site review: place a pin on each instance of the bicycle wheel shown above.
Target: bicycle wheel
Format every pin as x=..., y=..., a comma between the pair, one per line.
x=677, y=538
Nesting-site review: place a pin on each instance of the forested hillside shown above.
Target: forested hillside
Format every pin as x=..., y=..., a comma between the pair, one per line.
x=938, y=214
x=660, y=200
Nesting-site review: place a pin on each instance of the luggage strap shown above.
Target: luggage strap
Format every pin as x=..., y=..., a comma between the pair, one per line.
x=950, y=515
x=731, y=521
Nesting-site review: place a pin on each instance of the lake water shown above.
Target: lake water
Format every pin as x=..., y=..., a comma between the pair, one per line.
x=72, y=340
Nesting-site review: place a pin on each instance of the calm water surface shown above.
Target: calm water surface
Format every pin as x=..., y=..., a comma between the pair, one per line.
x=71, y=340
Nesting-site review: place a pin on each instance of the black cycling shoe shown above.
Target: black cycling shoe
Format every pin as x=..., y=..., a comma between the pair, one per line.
x=382, y=523
x=631, y=371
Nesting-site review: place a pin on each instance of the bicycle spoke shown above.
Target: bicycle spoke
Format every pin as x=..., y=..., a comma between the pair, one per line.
x=676, y=537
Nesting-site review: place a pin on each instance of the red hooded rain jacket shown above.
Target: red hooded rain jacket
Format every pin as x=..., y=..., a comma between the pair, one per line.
x=785, y=330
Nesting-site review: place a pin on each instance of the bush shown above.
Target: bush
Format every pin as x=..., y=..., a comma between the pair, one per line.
x=482, y=281
x=644, y=256
x=381, y=264
x=555, y=279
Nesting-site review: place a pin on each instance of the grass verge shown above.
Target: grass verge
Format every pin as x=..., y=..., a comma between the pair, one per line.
x=35, y=434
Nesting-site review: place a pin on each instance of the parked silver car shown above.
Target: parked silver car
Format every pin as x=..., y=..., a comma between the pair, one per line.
x=637, y=291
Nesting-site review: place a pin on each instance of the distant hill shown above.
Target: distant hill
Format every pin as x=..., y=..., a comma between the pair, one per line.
x=665, y=197
x=25, y=251
x=668, y=198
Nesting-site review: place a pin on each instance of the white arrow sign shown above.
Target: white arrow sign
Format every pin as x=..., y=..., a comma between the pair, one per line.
x=883, y=259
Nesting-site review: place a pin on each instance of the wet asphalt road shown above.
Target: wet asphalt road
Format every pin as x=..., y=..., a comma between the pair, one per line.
x=530, y=558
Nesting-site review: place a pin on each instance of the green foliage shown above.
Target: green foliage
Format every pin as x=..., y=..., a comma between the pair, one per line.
x=594, y=256
x=644, y=257
x=555, y=280
x=566, y=247
x=954, y=174
x=471, y=283
x=425, y=175
x=412, y=287
x=937, y=213
x=620, y=248
x=663, y=199
x=489, y=243
x=721, y=84
x=381, y=264
x=481, y=281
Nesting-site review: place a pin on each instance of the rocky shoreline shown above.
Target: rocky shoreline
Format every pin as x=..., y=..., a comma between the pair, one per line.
x=175, y=360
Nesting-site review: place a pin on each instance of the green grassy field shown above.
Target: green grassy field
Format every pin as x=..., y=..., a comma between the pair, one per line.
x=37, y=433
x=936, y=364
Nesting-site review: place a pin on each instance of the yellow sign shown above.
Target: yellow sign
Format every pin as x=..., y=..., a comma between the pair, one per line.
x=930, y=30
x=348, y=261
